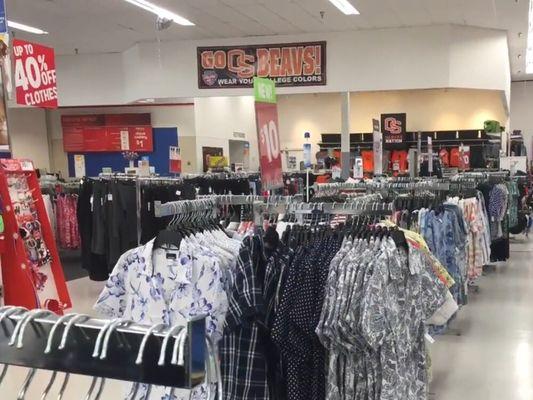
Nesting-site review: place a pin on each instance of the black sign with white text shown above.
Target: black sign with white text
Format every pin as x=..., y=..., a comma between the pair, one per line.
x=394, y=127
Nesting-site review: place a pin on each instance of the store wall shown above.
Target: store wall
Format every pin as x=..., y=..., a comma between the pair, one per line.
x=220, y=119
x=173, y=116
x=522, y=112
x=366, y=60
x=90, y=79
x=427, y=110
x=28, y=135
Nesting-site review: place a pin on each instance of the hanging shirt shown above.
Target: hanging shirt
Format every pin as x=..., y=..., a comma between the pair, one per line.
x=454, y=157
x=444, y=158
x=368, y=160
x=152, y=286
x=399, y=161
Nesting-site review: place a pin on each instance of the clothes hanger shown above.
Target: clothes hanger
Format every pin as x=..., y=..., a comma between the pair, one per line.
x=7, y=311
x=96, y=354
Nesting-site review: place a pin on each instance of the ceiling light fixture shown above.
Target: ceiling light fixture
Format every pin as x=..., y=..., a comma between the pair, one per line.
x=529, y=50
x=26, y=28
x=344, y=6
x=161, y=12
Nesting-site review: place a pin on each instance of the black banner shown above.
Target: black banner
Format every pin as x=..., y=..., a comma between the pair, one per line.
x=394, y=127
x=290, y=64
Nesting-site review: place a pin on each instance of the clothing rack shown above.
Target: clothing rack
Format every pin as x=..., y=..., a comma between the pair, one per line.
x=373, y=186
x=139, y=180
x=110, y=349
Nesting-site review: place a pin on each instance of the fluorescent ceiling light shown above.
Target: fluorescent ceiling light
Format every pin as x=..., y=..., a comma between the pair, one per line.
x=344, y=5
x=529, y=52
x=26, y=28
x=161, y=12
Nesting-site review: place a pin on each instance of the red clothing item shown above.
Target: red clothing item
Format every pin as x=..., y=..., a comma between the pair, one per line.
x=444, y=157
x=454, y=157
x=368, y=160
x=399, y=161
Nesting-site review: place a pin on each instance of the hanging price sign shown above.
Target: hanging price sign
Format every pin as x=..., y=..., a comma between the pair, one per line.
x=35, y=74
x=266, y=117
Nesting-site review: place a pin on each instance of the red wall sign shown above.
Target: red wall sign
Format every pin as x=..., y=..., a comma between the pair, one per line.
x=35, y=74
x=107, y=133
x=266, y=115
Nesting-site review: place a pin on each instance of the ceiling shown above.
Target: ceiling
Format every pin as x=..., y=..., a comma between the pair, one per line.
x=96, y=26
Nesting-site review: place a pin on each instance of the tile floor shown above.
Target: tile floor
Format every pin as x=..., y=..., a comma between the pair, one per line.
x=492, y=359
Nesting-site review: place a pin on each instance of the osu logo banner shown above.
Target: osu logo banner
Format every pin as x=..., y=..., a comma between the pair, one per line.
x=393, y=127
x=292, y=64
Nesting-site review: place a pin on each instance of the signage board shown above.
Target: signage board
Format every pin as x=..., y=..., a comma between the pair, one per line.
x=287, y=64
x=307, y=155
x=79, y=166
x=35, y=74
x=3, y=17
x=174, y=166
x=377, y=137
x=266, y=118
x=393, y=127
x=107, y=133
x=358, y=172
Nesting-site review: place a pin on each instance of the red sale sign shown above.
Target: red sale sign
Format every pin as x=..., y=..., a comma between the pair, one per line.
x=266, y=116
x=35, y=74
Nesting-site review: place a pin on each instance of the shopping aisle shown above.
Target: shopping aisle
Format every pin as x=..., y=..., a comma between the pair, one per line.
x=493, y=357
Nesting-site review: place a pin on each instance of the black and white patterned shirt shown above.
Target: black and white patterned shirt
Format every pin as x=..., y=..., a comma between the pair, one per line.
x=242, y=354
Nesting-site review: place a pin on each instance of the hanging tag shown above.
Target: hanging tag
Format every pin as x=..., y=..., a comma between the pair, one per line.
x=109, y=197
x=92, y=203
x=429, y=338
x=149, y=205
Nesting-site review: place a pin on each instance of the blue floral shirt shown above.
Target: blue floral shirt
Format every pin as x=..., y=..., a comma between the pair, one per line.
x=153, y=286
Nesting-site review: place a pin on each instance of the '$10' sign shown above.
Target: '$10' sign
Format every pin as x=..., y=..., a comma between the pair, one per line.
x=34, y=71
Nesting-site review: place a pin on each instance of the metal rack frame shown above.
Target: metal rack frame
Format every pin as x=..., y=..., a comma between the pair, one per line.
x=38, y=341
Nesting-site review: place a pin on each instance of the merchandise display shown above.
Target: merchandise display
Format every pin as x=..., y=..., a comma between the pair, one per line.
x=266, y=200
x=31, y=270
x=295, y=281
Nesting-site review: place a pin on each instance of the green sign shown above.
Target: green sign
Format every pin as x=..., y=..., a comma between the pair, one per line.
x=264, y=90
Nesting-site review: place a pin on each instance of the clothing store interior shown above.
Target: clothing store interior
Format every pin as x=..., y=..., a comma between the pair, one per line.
x=266, y=200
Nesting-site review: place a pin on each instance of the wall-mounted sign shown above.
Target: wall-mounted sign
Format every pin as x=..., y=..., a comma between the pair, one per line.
x=266, y=119
x=3, y=18
x=35, y=74
x=107, y=133
x=174, y=160
x=79, y=166
x=393, y=127
x=288, y=64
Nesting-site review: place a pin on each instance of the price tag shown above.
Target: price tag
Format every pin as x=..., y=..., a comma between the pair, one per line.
x=26, y=165
x=124, y=140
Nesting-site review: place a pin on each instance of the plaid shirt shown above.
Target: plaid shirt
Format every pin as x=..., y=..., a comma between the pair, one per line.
x=242, y=350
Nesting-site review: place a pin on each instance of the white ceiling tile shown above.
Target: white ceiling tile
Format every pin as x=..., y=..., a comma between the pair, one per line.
x=298, y=15
x=270, y=19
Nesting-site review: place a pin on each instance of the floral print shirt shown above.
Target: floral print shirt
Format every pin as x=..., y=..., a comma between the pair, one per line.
x=152, y=286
